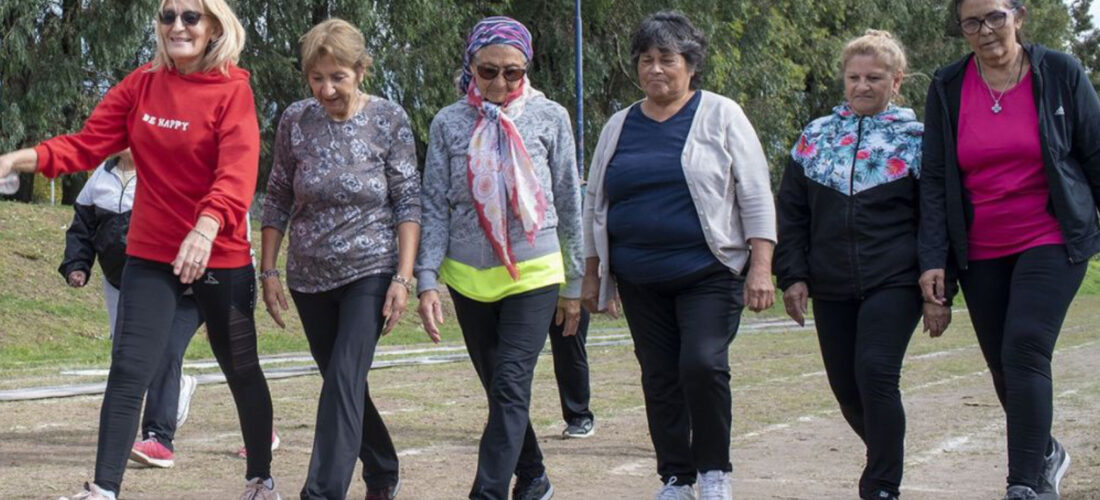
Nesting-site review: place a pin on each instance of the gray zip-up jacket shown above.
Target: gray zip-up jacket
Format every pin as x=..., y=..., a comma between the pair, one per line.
x=449, y=223
x=727, y=175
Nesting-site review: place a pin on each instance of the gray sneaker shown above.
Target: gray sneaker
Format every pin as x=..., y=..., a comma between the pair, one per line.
x=257, y=490
x=715, y=485
x=673, y=491
x=1053, y=469
x=579, y=428
x=1017, y=492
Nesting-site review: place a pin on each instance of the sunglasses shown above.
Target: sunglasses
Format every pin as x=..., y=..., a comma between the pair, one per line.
x=189, y=17
x=511, y=73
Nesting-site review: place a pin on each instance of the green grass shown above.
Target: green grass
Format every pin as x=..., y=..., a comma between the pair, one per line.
x=45, y=323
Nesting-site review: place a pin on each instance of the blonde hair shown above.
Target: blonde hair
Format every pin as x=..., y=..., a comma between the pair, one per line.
x=338, y=39
x=223, y=49
x=880, y=44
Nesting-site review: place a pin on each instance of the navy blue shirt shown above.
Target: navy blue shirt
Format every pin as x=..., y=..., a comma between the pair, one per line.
x=654, y=229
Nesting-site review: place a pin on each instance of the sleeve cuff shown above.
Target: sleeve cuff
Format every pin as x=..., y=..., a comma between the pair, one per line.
x=571, y=289
x=426, y=281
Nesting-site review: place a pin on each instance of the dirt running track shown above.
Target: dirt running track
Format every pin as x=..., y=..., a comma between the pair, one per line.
x=789, y=441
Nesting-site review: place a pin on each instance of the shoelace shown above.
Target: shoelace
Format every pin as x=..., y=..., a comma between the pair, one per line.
x=670, y=491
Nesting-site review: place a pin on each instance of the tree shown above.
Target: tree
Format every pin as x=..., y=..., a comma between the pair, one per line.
x=1086, y=39
x=57, y=57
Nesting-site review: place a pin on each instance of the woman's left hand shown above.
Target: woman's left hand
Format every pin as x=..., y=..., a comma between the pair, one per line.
x=759, y=290
x=194, y=252
x=397, y=298
x=569, y=312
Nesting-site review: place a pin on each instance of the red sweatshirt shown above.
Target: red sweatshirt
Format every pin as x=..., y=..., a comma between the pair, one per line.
x=196, y=144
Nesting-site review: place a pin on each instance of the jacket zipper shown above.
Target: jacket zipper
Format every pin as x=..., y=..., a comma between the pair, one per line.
x=854, y=259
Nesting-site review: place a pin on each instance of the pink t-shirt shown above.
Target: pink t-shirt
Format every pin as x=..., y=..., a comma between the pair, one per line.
x=1002, y=170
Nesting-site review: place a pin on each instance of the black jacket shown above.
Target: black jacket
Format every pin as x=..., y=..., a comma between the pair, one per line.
x=847, y=205
x=96, y=231
x=1069, y=133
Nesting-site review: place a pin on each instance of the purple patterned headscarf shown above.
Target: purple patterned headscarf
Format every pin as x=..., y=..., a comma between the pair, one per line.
x=494, y=30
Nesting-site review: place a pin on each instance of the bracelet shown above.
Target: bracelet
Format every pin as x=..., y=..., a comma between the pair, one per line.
x=270, y=273
x=205, y=237
x=397, y=278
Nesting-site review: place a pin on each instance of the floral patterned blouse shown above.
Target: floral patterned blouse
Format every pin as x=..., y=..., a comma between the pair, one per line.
x=342, y=187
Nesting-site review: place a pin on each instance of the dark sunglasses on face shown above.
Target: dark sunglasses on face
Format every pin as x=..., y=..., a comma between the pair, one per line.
x=995, y=20
x=189, y=17
x=511, y=73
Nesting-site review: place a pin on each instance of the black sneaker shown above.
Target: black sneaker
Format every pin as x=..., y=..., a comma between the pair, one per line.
x=1018, y=492
x=538, y=488
x=882, y=495
x=579, y=428
x=1053, y=469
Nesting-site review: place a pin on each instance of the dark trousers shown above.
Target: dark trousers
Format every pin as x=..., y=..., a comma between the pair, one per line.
x=150, y=295
x=504, y=339
x=571, y=369
x=162, y=399
x=863, y=343
x=682, y=330
x=343, y=326
x=1017, y=305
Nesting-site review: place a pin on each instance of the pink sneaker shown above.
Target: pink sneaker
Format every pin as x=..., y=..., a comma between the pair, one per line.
x=243, y=452
x=150, y=452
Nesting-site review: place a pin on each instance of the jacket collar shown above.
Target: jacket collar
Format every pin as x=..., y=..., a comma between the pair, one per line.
x=891, y=114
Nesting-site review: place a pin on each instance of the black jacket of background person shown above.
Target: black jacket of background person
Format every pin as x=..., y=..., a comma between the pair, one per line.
x=845, y=238
x=97, y=232
x=1069, y=134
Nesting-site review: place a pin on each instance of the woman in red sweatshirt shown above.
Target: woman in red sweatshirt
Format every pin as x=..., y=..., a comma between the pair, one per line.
x=190, y=121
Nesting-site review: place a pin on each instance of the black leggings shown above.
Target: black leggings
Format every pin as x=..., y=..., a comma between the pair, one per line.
x=1017, y=305
x=863, y=343
x=150, y=292
x=343, y=326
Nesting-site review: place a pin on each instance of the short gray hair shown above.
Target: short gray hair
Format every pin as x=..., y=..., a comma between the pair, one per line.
x=671, y=31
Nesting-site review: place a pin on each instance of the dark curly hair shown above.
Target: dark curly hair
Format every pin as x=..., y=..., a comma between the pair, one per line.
x=671, y=31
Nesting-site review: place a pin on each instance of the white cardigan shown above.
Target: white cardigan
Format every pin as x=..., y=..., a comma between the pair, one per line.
x=727, y=176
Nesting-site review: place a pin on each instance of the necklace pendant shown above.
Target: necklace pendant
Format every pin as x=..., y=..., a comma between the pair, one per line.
x=996, y=108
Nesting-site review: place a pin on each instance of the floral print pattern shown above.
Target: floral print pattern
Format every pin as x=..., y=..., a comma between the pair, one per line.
x=852, y=154
x=342, y=188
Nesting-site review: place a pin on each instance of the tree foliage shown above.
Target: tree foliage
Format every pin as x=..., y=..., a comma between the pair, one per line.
x=778, y=58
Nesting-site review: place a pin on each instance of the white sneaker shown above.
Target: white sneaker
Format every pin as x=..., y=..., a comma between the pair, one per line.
x=670, y=491
x=91, y=492
x=188, y=385
x=715, y=485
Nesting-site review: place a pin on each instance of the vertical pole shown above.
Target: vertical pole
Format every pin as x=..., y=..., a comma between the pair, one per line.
x=53, y=194
x=579, y=52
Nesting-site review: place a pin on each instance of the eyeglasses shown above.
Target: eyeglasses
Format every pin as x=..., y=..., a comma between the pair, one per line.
x=189, y=17
x=995, y=20
x=511, y=73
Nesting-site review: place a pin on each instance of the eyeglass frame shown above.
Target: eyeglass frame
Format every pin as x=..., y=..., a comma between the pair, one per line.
x=985, y=21
x=483, y=71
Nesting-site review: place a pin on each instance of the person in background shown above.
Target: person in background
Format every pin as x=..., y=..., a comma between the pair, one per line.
x=571, y=374
x=1009, y=195
x=679, y=215
x=98, y=231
